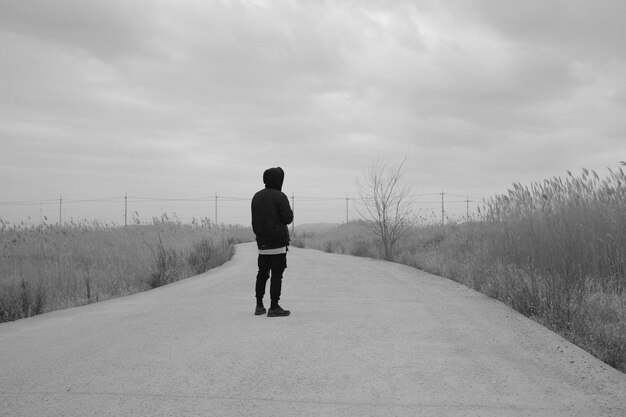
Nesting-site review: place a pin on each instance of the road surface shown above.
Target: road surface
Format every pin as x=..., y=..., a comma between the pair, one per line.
x=365, y=338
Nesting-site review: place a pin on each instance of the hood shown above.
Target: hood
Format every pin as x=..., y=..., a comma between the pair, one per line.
x=273, y=178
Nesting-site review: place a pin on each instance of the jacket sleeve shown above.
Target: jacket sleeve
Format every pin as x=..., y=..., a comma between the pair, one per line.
x=284, y=209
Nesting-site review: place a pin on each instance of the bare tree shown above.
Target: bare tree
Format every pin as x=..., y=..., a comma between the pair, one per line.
x=384, y=203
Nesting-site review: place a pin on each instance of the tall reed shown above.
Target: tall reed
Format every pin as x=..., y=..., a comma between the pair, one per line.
x=571, y=231
x=48, y=267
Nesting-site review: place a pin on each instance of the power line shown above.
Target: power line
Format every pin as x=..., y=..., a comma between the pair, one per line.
x=135, y=199
x=233, y=206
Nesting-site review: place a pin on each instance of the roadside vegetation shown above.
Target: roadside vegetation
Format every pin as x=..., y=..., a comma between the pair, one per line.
x=553, y=250
x=50, y=267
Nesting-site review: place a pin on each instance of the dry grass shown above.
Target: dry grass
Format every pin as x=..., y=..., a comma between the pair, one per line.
x=48, y=267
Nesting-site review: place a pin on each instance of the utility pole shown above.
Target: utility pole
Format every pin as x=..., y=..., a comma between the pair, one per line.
x=125, y=209
x=216, y=209
x=346, y=208
x=60, y=209
x=443, y=211
x=467, y=208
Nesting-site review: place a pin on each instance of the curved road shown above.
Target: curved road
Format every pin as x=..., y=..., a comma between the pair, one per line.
x=365, y=338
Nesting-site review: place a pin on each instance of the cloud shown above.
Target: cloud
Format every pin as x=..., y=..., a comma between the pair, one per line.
x=107, y=30
x=192, y=95
x=582, y=29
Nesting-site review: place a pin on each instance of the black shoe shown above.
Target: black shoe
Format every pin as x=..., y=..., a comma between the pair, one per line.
x=259, y=311
x=277, y=312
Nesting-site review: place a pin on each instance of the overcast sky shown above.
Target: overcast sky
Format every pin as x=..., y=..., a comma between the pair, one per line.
x=186, y=99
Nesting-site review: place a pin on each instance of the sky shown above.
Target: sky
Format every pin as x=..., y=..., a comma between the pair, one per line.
x=174, y=102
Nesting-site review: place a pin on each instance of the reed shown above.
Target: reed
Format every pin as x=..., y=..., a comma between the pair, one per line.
x=567, y=236
x=48, y=267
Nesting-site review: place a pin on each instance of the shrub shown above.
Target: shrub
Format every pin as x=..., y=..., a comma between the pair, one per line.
x=167, y=266
x=206, y=255
x=363, y=248
x=20, y=301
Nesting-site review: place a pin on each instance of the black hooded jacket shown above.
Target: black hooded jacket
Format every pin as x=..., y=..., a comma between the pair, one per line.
x=271, y=212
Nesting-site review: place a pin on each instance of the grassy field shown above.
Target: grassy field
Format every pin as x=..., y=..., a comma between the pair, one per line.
x=555, y=251
x=48, y=267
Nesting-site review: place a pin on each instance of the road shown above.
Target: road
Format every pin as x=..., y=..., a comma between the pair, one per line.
x=365, y=338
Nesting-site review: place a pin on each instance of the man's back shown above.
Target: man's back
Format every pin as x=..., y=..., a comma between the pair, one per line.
x=271, y=212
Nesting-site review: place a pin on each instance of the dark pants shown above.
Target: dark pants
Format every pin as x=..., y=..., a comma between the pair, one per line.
x=275, y=264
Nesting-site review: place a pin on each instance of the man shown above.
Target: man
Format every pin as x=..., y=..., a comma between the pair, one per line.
x=271, y=213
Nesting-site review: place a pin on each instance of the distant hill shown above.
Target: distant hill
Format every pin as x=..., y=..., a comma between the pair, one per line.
x=314, y=227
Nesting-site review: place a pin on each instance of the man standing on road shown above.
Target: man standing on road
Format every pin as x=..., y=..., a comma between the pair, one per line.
x=271, y=213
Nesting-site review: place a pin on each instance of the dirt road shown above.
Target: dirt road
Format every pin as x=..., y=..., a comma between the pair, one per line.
x=365, y=338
